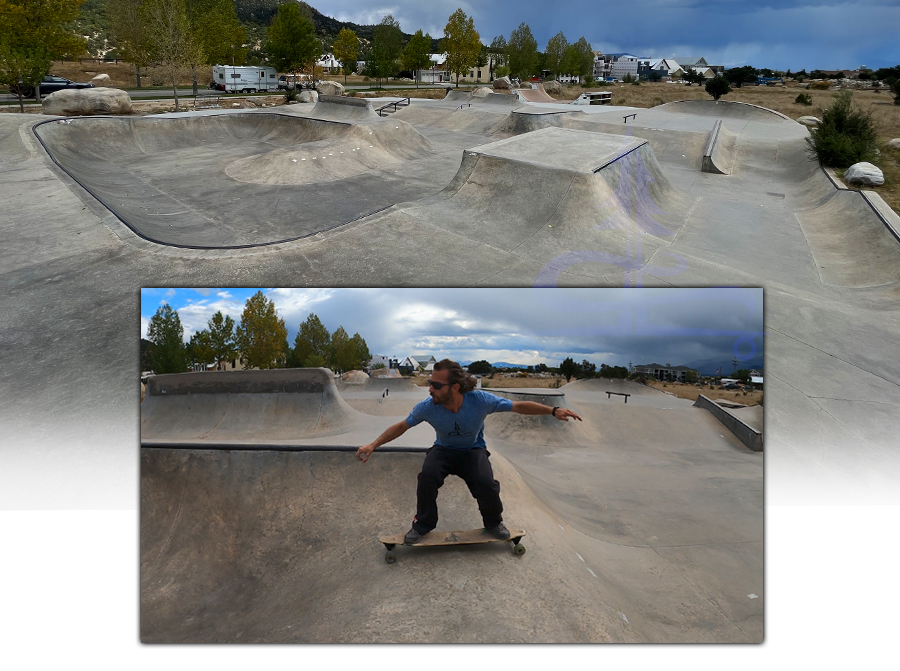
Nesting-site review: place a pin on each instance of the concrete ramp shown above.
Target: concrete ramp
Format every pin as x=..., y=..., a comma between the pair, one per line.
x=851, y=244
x=379, y=384
x=718, y=157
x=360, y=149
x=503, y=99
x=602, y=385
x=529, y=119
x=457, y=96
x=281, y=547
x=588, y=183
x=343, y=108
x=244, y=406
x=725, y=109
x=538, y=95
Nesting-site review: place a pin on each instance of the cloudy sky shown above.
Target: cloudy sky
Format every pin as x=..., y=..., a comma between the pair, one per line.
x=779, y=34
x=522, y=326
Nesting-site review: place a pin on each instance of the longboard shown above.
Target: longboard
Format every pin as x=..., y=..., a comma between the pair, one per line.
x=465, y=537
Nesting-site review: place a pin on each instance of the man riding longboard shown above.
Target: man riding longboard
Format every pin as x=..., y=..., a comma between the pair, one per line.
x=456, y=411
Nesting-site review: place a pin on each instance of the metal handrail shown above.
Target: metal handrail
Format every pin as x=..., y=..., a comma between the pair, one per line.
x=403, y=101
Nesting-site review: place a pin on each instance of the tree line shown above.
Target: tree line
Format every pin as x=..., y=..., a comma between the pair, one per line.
x=568, y=368
x=178, y=37
x=259, y=340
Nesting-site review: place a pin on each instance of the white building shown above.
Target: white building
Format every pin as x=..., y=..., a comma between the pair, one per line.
x=623, y=64
x=329, y=64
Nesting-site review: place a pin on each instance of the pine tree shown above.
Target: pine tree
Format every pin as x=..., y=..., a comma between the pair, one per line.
x=261, y=336
x=167, y=335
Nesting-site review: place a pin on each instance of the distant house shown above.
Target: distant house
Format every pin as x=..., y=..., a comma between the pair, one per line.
x=388, y=362
x=665, y=373
x=699, y=64
x=411, y=363
x=623, y=64
x=329, y=64
x=667, y=68
x=435, y=73
x=223, y=365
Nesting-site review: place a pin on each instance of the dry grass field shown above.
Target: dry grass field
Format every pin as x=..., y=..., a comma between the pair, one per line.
x=691, y=392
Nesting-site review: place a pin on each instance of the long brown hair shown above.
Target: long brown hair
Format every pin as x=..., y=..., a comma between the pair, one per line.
x=456, y=375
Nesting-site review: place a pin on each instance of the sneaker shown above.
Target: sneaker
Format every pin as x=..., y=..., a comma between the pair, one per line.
x=412, y=537
x=500, y=531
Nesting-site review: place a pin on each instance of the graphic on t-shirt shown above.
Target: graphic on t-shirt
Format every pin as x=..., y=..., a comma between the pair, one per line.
x=457, y=432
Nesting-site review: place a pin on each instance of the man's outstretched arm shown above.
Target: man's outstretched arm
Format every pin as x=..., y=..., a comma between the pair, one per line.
x=532, y=408
x=392, y=432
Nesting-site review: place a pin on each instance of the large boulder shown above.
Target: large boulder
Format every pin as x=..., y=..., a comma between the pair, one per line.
x=863, y=174
x=81, y=102
x=100, y=80
x=308, y=97
x=553, y=87
x=502, y=83
x=482, y=92
x=327, y=88
x=811, y=121
x=248, y=105
x=894, y=144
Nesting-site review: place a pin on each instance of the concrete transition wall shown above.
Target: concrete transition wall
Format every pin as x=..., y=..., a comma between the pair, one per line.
x=253, y=405
x=750, y=437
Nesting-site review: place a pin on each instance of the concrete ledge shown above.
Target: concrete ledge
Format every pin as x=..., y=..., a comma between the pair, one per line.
x=281, y=381
x=749, y=436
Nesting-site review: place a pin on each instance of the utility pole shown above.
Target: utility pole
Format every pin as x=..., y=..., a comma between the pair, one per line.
x=734, y=363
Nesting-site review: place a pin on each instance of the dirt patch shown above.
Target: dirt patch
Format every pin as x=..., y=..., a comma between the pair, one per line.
x=691, y=392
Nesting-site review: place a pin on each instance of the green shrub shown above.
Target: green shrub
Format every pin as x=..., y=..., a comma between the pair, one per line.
x=290, y=95
x=820, y=86
x=803, y=99
x=845, y=136
x=894, y=85
x=717, y=87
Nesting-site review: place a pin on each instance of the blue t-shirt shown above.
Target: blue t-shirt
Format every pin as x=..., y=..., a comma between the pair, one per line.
x=463, y=429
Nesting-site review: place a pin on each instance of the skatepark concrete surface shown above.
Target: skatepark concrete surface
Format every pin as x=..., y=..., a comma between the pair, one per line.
x=487, y=184
x=644, y=522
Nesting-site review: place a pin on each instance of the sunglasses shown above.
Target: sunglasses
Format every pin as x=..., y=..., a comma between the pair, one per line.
x=438, y=385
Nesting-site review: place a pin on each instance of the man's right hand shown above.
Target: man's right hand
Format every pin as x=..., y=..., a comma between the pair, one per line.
x=362, y=454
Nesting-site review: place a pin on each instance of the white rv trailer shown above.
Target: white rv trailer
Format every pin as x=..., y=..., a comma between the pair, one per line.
x=244, y=78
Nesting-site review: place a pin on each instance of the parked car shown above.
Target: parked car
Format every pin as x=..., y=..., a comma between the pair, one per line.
x=730, y=385
x=50, y=84
x=296, y=82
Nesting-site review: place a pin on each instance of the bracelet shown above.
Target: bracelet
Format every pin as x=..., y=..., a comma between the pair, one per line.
x=553, y=412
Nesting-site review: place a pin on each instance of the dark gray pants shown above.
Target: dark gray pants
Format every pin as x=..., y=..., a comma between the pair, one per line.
x=470, y=465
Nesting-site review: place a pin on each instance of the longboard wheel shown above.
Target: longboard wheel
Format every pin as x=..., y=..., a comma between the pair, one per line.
x=519, y=550
x=390, y=557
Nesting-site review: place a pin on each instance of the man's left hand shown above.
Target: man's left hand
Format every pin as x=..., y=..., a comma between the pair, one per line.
x=563, y=414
